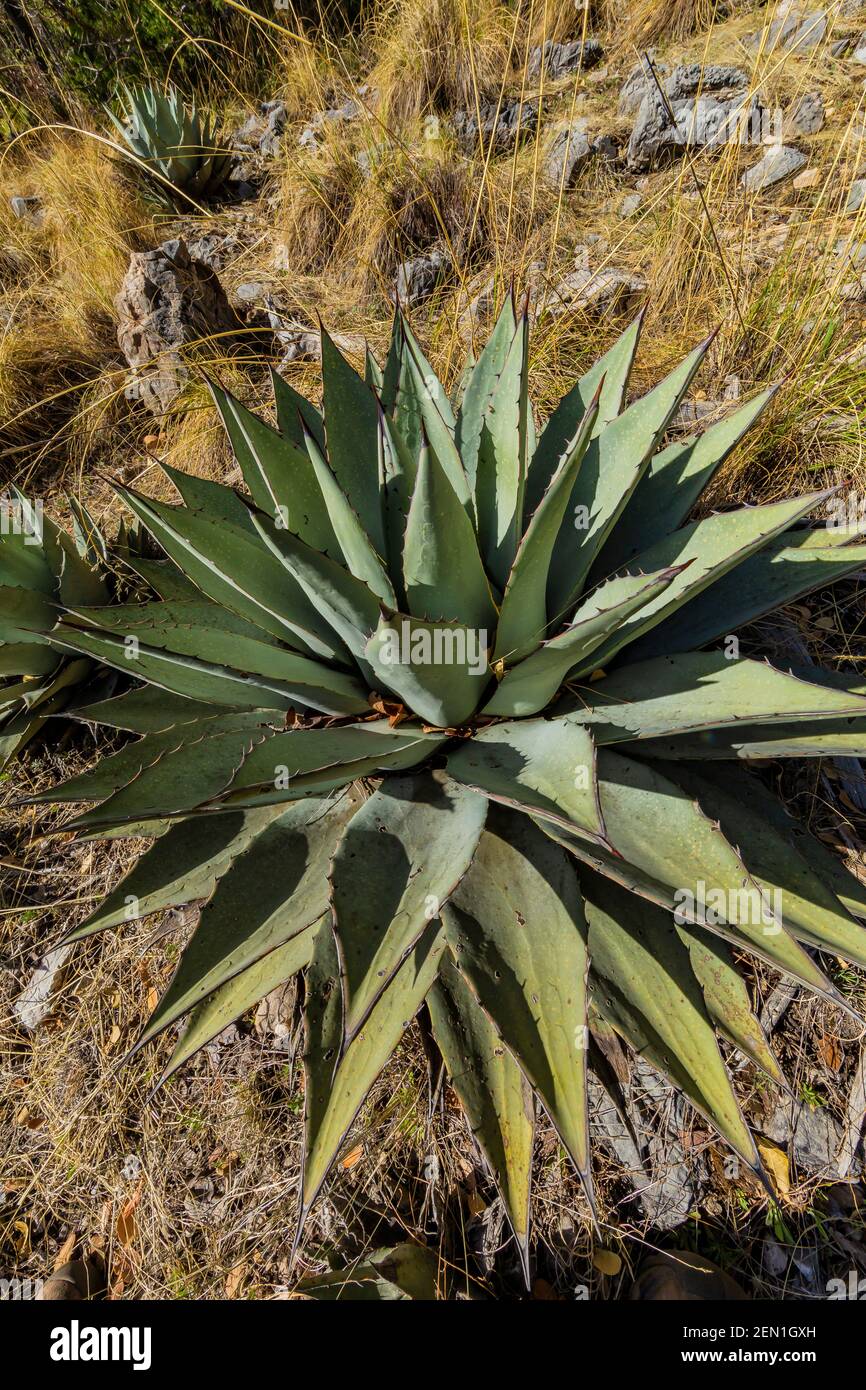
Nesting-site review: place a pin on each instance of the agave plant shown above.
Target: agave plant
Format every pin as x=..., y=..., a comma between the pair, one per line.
x=177, y=142
x=435, y=714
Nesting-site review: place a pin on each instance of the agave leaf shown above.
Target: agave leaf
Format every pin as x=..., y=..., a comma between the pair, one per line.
x=356, y=546
x=517, y=930
x=645, y=986
x=529, y=687
x=704, y=690
x=351, y=609
x=480, y=389
x=178, y=780
x=116, y=770
x=215, y=500
x=181, y=675
x=273, y=890
x=706, y=550
x=500, y=476
x=676, y=477
x=26, y=659
x=25, y=614
x=808, y=907
x=294, y=412
x=234, y=571
x=350, y=431
x=440, y=670
x=292, y=755
x=782, y=572
x=612, y=467
x=692, y=868
x=523, y=616
x=148, y=710
x=241, y=992
x=727, y=998
x=164, y=577
x=397, y=471
x=421, y=400
x=495, y=1095
x=610, y=373
x=442, y=571
x=546, y=767
x=183, y=865
x=397, y=862
x=333, y=1098
x=401, y=758
x=221, y=638
x=832, y=738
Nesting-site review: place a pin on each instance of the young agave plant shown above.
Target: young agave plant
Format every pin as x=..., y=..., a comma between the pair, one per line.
x=436, y=715
x=175, y=141
x=41, y=570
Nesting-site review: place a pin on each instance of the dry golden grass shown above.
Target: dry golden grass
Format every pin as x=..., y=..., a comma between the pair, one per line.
x=438, y=55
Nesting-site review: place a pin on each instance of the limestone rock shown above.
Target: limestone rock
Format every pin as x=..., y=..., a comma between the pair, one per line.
x=569, y=152
x=561, y=58
x=502, y=126
x=709, y=107
x=806, y=116
x=167, y=299
x=778, y=163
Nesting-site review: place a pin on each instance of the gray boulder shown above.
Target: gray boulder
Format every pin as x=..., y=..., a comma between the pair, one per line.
x=503, y=126
x=569, y=152
x=638, y=83
x=796, y=32
x=561, y=58
x=704, y=108
x=856, y=196
x=806, y=115
x=417, y=278
x=167, y=300
x=779, y=163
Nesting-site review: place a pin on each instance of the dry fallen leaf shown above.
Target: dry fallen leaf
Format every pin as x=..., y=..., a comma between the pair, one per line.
x=606, y=1262
x=65, y=1252
x=775, y=1161
x=125, y=1228
x=234, y=1279
x=830, y=1052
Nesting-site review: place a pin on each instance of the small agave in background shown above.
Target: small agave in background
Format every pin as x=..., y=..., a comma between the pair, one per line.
x=175, y=141
x=438, y=713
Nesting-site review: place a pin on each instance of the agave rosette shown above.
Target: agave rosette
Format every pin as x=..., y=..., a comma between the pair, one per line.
x=175, y=141
x=435, y=712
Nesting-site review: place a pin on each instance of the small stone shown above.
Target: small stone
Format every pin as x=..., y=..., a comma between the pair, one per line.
x=27, y=210
x=859, y=54
x=777, y=164
x=605, y=147
x=249, y=292
x=807, y=179
x=630, y=204
x=417, y=278
x=806, y=116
